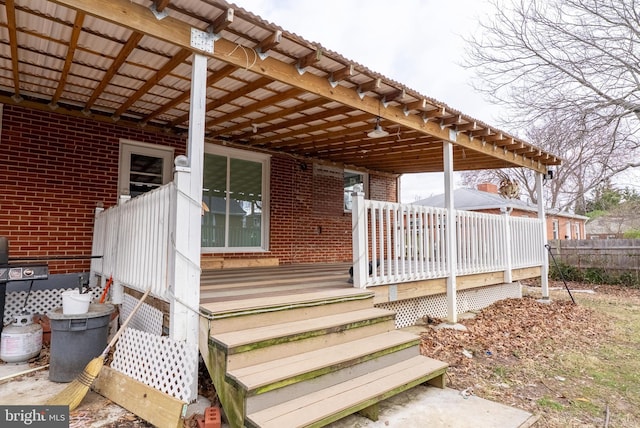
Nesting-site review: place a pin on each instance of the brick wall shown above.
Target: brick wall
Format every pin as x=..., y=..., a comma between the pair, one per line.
x=308, y=222
x=53, y=171
x=55, y=168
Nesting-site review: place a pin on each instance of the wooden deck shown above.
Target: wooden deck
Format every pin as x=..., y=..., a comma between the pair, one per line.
x=299, y=346
x=247, y=288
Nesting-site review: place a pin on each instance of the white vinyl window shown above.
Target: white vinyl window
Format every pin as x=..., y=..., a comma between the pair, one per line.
x=143, y=167
x=235, y=192
x=556, y=229
x=354, y=181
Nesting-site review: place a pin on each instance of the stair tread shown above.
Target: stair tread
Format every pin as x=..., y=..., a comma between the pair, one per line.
x=286, y=298
x=259, y=375
x=314, y=407
x=265, y=333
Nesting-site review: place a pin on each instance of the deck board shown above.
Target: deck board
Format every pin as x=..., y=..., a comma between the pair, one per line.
x=228, y=290
x=314, y=407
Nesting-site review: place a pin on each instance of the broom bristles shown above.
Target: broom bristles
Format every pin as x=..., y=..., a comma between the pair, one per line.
x=73, y=394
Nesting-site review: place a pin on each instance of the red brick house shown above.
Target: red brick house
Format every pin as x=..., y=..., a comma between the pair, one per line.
x=486, y=199
x=229, y=168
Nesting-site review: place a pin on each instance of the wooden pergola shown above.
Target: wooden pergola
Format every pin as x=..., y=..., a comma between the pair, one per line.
x=130, y=62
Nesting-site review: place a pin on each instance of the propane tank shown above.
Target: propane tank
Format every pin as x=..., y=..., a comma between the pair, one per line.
x=21, y=340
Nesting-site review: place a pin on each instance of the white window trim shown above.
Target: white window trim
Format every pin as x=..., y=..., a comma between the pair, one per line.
x=265, y=159
x=128, y=147
x=555, y=228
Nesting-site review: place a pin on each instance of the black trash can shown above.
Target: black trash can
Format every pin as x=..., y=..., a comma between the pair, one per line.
x=77, y=339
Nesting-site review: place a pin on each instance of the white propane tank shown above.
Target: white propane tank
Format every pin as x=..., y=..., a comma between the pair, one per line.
x=21, y=340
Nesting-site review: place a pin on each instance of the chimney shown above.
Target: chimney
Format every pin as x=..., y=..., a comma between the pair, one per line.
x=488, y=187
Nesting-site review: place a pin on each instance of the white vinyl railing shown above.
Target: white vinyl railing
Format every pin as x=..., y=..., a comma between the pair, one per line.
x=409, y=242
x=396, y=243
x=481, y=242
x=134, y=240
x=526, y=244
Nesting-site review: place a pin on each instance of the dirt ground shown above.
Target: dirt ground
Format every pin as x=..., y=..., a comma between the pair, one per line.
x=568, y=363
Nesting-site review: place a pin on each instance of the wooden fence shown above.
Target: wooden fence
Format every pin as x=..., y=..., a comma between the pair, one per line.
x=614, y=257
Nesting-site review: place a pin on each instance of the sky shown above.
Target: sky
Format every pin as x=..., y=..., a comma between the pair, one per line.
x=419, y=43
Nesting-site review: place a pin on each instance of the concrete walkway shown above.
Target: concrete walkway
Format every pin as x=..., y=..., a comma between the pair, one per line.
x=425, y=406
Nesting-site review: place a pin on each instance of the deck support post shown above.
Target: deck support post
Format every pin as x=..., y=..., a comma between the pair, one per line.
x=372, y=412
x=184, y=282
x=451, y=238
x=508, y=273
x=544, y=274
x=359, y=238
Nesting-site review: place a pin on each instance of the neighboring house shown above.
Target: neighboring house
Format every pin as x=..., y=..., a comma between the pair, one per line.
x=118, y=122
x=612, y=226
x=486, y=199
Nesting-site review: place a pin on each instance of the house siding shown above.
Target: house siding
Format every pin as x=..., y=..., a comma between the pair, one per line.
x=54, y=169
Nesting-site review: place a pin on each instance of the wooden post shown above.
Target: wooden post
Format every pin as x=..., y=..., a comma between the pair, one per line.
x=359, y=234
x=508, y=274
x=544, y=273
x=451, y=238
x=184, y=279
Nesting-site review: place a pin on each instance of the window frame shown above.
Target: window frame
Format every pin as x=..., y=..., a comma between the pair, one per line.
x=245, y=155
x=129, y=147
x=365, y=185
x=555, y=229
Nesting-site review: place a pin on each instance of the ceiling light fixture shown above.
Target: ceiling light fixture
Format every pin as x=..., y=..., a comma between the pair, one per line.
x=377, y=132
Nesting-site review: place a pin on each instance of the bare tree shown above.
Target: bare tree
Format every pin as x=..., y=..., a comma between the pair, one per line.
x=568, y=72
x=591, y=158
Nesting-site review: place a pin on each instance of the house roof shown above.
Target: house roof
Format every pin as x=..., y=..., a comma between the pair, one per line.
x=130, y=61
x=477, y=200
x=613, y=224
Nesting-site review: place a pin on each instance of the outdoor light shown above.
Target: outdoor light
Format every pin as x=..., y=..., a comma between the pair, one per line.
x=377, y=132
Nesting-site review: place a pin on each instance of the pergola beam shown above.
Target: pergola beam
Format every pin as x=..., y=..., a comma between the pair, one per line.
x=174, y=31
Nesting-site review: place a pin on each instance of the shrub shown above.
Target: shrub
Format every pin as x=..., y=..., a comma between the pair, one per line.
x=562, y=270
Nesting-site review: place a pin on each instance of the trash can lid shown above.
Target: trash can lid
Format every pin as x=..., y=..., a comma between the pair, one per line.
x=96, y=310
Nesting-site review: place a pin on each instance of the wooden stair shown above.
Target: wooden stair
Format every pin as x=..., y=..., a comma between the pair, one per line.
x=308, y=359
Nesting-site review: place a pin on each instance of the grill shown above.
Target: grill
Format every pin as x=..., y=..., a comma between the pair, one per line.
x=16, y=272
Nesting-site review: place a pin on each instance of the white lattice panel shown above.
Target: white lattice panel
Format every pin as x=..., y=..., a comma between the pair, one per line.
x=147, y=318
x=40, y=301
x=410, y=310
x=157, y=361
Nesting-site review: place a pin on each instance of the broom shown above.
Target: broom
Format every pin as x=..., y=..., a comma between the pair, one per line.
x=73, y=394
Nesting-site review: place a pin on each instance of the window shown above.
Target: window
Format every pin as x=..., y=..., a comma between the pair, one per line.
x=556, y=229
x=143, y=167
x=235, y=189
x=576, y=228
x=354, y=181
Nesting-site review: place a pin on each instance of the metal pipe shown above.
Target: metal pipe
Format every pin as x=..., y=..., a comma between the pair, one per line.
x=44, y=258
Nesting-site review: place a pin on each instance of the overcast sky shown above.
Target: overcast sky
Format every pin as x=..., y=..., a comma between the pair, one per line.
x=416, y=42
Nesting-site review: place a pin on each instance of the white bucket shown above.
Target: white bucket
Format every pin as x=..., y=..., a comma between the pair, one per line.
x=75, y=303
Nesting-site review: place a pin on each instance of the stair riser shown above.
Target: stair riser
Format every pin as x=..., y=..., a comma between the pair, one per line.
x=240, y=322
x=277, y=396
x=314, y=341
